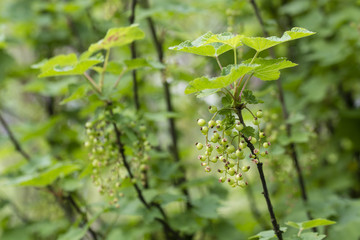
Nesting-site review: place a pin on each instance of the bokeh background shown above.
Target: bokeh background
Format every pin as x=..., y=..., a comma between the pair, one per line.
x=322, y=95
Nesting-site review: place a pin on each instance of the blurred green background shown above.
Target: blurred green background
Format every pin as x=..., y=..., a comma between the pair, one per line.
x=322, y=95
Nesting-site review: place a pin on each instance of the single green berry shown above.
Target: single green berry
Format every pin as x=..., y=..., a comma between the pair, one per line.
x=266, y=144
x=239, y=126
x=214, y=159
x=231, y=163
x=209, y=148
x=142, y=128
x=242, y=145
x=228, y=132
x=261, y=134
x=201, y=122
x=211, y=123
x=263, y=154
x=256, y=121
x=239, y=176
x=212, y=109
x=88, y=124
x=259, y=114
x=219, y=149
x=252, y=140
x=201, y=157
x=222, y=158
x=204, y=130
x=231, y=171
x=239, y=153
x=230, y=149
x=245, y=168
x=242, y=184
x=233, y=156
x=224, y=141
x=230, y=181
x=199, y=146
x=222, y=179
x=208, y=169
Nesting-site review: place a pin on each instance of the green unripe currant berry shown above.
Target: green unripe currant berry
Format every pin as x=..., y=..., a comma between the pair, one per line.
x=239, y=153
x=256, y=121
x=231, y=163
x=88, y=124
x=199, y=146
x=231, y=172
x=201, y=157
x=239, y=176
x=87, y=144
x=222, y=158
x=214, y=159
x=263, y=154
x=230, y=149
x=245, y=168
x=256, y=151
x=208, y=169
x=228, y=132
x=242, y=184
x=252, y=140
x=266, y=144
x=239, y=126
x=212, y=109
x=209, y=148
x=201, y=122
x=230, y=181
x=203, y=164
x=222, y=179
x=219, y=149
x=259, y=114
x=142, y=128
x=211, y=123
x=233, y=156
x=204, y=130
x=224, y=141
x=261, y=134
x=242, y=145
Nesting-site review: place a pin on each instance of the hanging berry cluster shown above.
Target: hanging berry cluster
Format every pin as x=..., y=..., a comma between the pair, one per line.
x=108, y=172
x=226, y=142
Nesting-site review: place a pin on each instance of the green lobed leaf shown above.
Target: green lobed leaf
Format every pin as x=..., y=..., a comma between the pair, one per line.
x=268, y=69
x=311, y=236
x=200, y=46
x=234, y=73
x=226, y=38
x=266, y=235
x=66, y=65
x=261, y=43
x=248, y=131
x=316, y=223
x=249, y=98
x=310, y=224
x=46, y=177
x=116, y=37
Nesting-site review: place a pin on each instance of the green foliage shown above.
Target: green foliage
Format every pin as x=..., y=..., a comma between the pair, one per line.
x=205, y=46
x=47, y=109
x=116, y=37
x=66, y=65
x=230, y=74
x=260, y=44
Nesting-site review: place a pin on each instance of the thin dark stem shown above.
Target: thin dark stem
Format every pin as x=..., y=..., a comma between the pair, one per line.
x=172, y=129
x=292, y=147
x=169, y=232
x=133, y=56
x=259, y=165
x=13, y=139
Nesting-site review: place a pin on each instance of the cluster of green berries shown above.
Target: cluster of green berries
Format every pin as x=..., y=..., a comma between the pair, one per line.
x=108, y=171
x=226, y=145
x=105, y=159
